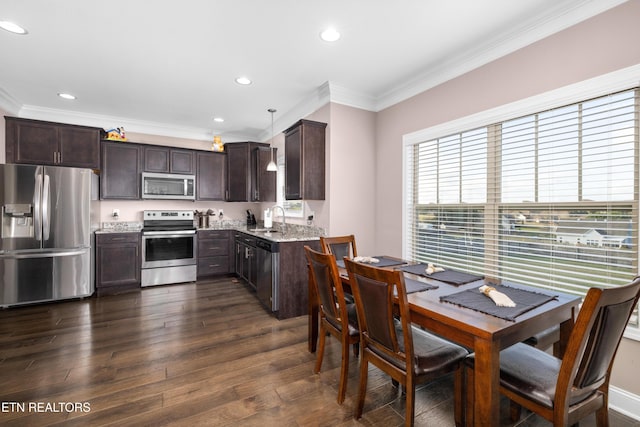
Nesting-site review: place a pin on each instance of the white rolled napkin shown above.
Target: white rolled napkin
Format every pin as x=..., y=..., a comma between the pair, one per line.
x=366, y=259
x=433, y=269
x=499, y=298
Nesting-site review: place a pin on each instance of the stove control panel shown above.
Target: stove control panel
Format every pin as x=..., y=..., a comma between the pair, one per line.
x=167, y=215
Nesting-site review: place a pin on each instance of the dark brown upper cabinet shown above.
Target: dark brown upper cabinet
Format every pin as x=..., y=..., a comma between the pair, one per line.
x=304, y=160
x=120, y=173
x=263, y=182
x=246, y=181
x=46, y=143
x=211, y=177
x=169, y=160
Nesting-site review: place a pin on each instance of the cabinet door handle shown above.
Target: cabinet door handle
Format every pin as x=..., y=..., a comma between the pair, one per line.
x=214, y=265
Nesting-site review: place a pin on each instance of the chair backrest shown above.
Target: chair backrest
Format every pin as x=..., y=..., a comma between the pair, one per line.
x=375, y=291
x=592, y=346
x=328, y=286
x=340, y=246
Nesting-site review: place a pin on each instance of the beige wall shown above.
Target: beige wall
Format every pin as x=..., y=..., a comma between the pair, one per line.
x=352, y=177
x=600, y=45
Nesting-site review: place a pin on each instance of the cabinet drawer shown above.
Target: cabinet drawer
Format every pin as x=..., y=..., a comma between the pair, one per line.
x=114, y=238
x=247, y=239
x=213, y=234
x=213, y=265
x=212, y=247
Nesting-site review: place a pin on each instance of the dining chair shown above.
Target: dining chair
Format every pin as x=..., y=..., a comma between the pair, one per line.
x=340, y=246
x=545, y=339
x=563, y=391
x=388, y=340
x=337, y=317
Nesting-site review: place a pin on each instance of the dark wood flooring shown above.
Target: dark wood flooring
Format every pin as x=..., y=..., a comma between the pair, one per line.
x=204, y=354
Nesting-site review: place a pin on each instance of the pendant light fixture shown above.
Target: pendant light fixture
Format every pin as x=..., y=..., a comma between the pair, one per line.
x=272, y=167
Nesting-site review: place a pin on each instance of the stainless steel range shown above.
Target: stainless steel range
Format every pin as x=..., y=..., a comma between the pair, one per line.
x=168, y=247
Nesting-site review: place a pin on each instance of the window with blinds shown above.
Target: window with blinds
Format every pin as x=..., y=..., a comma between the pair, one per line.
x=548, y=200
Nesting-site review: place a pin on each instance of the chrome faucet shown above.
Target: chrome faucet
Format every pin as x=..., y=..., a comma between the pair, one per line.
x=284, y=224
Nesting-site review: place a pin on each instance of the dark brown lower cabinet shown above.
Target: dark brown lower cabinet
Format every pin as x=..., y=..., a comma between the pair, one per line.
x=214, y=253
x=293, y=289
x=117, y=262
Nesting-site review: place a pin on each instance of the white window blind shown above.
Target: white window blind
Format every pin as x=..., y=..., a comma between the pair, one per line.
x=549, y=199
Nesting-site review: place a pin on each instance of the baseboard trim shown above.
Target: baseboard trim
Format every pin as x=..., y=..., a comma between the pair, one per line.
x=624, y=402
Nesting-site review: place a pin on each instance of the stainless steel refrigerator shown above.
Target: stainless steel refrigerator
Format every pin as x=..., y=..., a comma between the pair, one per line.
x=46, y=234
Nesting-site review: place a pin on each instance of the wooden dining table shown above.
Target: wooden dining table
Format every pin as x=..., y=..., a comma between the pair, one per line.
x=483, y=334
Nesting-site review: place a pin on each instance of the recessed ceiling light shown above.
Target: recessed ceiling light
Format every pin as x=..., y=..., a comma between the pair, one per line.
x=330, y=35
x=66, y=96
x=243, y=81
x=13, y=28
x=218, y=119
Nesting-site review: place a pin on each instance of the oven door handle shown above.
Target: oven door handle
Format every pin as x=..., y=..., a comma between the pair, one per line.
x=177, y=233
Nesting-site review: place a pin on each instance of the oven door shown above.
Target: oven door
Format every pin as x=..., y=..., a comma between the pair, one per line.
x=168, y=248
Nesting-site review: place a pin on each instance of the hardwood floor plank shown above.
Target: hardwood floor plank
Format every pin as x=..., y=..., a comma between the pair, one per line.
x=199, y=354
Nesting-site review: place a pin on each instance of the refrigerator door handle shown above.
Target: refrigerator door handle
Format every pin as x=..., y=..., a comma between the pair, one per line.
x=42, y=254
x=37, y=212
x=46, y=221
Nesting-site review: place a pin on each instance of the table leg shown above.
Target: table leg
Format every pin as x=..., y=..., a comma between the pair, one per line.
x=486, y=384
x=565, y=332
x=313, y=316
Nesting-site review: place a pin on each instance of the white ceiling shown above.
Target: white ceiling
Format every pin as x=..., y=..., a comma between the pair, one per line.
x=168, y=67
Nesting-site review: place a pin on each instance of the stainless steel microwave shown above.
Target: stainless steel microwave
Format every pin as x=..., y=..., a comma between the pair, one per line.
x=168, y=186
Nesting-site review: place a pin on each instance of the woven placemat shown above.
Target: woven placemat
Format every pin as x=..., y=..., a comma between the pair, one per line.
x=476, y=300
x=383, y=261
x=453, y=277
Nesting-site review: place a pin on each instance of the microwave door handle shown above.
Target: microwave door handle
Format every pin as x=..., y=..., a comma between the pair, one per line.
x=185, y=186
x=37, y=207
x=46, y=221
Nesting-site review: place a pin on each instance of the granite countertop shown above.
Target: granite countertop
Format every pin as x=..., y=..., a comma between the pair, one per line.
x=278, y=236
x=294, y=232
x=114, y=230
x=119, y=227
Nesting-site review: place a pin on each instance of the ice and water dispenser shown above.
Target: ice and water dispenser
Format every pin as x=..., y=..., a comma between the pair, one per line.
x=17, y=220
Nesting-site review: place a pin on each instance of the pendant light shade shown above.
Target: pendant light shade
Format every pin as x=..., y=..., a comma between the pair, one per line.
x=272, y=167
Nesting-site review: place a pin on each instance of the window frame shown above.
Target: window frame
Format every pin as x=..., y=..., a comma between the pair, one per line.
x=580, y=92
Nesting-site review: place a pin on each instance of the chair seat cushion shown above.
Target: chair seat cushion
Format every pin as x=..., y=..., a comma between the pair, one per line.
x=432, y=354
x=353, y=320
x=435, y=354
x=528, y=372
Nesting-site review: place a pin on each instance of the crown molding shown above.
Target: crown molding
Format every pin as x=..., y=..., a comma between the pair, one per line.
x=557, y=19
x=8, y=103
x=351, y=98
x=311, y=103
x=97, y=120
